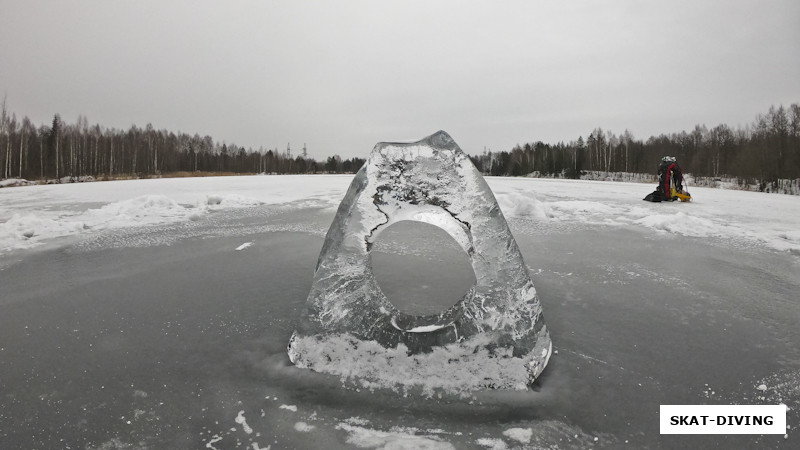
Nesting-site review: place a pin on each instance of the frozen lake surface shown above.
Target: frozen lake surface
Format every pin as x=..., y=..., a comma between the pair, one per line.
x=155, y=314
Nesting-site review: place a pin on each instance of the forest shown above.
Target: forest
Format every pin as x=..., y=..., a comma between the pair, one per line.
x=62, y=151
x=764, y=152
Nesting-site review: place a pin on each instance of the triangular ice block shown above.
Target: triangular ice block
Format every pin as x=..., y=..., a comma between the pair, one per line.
x=495, y=337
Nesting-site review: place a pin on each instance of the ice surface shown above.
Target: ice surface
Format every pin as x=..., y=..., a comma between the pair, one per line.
x=194, y=332
x=494, y=337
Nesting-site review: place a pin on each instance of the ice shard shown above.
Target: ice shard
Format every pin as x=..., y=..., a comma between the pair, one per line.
x=494, y=337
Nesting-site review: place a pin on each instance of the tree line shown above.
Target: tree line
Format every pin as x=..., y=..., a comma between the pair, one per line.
x=77, y=150
x=765, y=151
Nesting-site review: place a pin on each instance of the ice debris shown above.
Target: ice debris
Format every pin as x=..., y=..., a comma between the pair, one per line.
x=303, y=427
x=243, y=246
x=494, y=337
x=243, y=422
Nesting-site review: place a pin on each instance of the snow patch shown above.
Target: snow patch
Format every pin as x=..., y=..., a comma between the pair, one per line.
x=517, y=204
x=303, y=427
x=23, y=231
x=214, y=439
x=681, y=223
x=243, y=246
x=370, y=365
x=241, y=421
x=143, y=210
x=519, y=434
x=492, y=443
x=231, y=201
x=396, y=438
x=14, y=182
x=356, y=421
x=31, y=215
x=580, y=207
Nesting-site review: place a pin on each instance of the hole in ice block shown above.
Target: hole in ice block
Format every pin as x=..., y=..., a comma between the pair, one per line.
x=420, y=268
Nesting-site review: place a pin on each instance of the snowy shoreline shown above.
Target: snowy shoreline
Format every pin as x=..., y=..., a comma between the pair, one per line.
x=782, y=186
x=31, y=215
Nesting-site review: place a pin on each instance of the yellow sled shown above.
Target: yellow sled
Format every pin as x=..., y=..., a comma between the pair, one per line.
x=681, y=195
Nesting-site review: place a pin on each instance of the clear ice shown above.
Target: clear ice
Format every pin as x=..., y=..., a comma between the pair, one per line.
x=494, y=337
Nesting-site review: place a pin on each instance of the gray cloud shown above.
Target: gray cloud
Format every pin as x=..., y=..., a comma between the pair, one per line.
x=341, y=76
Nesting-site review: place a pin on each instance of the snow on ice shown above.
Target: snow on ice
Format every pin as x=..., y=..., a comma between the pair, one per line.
x=303, y=427
x=243, y=246
x=32, y=215
x=522, y=435
x=492, y=443
x=397, y=438
x=243, y=422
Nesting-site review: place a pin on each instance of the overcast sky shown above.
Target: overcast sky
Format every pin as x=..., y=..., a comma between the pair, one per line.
x=340, y=76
